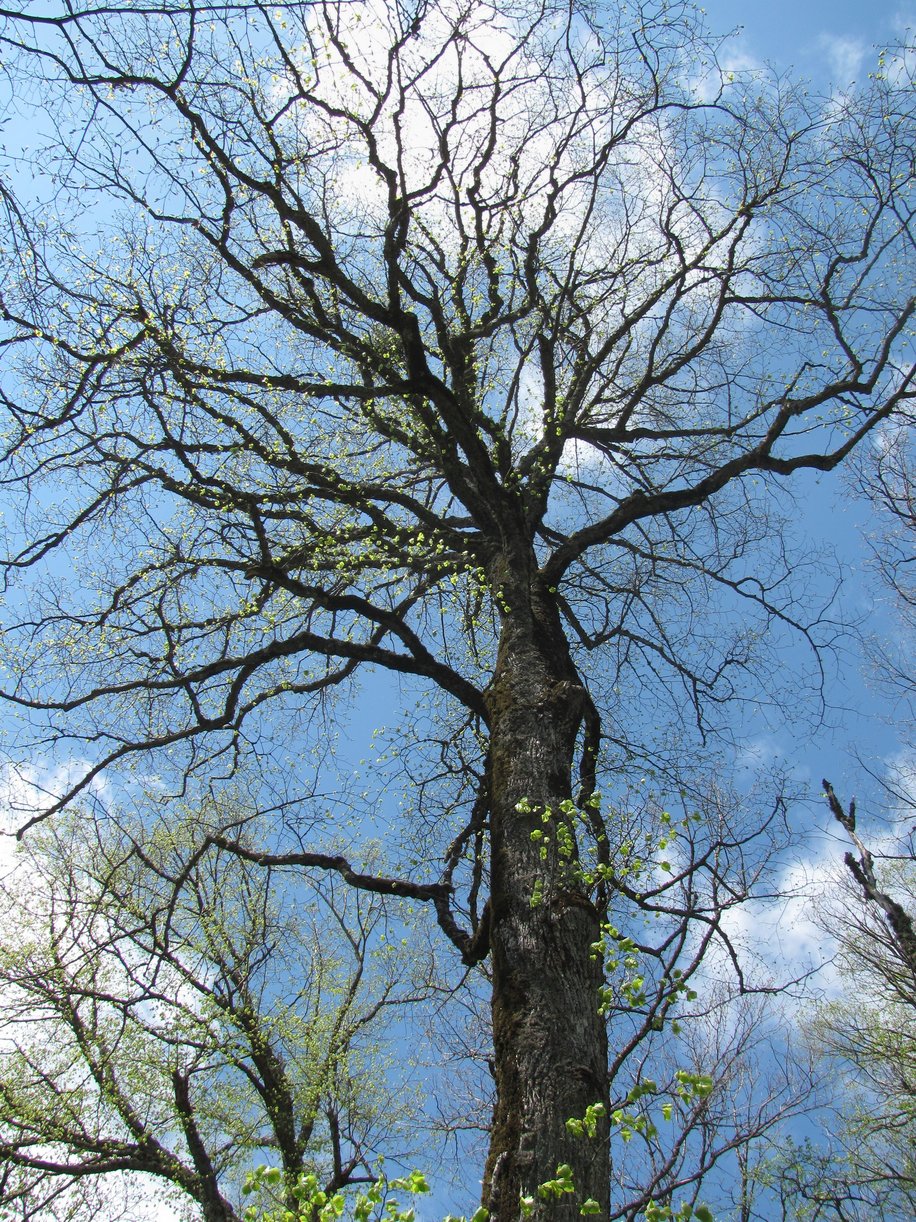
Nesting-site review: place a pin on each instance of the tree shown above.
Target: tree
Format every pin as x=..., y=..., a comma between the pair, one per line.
x=866, y=1039
x=814, y=1183
x=173, y=1014
x=469, y=346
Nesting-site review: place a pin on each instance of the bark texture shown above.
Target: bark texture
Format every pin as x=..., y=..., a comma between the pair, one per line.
x=550, y=1043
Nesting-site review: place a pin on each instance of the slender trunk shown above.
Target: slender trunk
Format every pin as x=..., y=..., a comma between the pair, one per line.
x=550, y=1044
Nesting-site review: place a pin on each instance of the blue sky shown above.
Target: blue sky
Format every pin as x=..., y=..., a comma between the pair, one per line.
x=831, y=43
x=818, y=38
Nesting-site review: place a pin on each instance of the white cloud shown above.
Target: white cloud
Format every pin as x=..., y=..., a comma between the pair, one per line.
x=904, y=21
x=735, y=62
x=757, y=755
x=789, y=937
x=28, y=791
x=845, y=57
x=782, y=937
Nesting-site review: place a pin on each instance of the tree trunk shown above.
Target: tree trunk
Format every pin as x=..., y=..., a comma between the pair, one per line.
x=550, y=1043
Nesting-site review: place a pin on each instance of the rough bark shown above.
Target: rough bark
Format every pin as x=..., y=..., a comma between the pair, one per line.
x=550, y=1043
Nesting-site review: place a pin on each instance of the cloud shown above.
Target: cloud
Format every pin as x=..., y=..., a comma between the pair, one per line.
x=758, y=755
x=763, y=755
x=29, y=790
x=904, y=21
x=790, y=937
x=845, y=57
x=782, y=937
x=734, y=62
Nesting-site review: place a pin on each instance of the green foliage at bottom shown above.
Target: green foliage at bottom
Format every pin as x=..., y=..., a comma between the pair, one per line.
x=305, y=1201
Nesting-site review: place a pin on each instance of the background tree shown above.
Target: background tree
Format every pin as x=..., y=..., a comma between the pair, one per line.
x=865, y=1041
x=873, y=1038
x=173, y=1014
x=471, y=346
